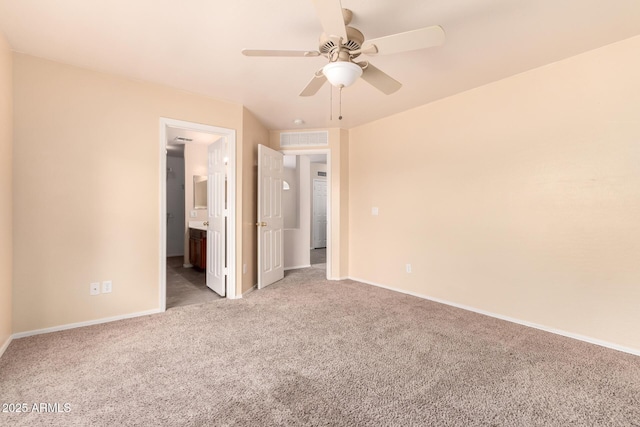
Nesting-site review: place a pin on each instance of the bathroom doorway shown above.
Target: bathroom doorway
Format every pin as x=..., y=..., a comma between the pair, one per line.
x=186, y=166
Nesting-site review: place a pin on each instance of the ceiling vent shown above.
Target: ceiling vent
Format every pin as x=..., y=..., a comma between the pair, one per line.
x=182, y=139
x=304, y=139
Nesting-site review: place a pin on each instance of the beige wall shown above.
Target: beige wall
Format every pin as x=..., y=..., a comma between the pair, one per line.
x=339, y=184
x=253, y=134
x=6, y=202
x=521, y=198
x=342, y=233
x=86, y=196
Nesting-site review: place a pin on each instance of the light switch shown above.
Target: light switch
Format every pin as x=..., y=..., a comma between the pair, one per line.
x=374, y=211
x=193, y=214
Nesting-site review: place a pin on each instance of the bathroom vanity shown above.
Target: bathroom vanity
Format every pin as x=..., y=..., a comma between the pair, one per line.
x=198, y=244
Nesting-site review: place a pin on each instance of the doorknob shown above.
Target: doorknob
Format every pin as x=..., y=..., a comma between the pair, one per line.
x=261, y=224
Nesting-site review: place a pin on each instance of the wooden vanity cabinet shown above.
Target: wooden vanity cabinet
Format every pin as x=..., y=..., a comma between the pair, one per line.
x=198, y=248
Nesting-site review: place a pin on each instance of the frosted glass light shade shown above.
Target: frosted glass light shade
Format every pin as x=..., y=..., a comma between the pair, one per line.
x=342, y=73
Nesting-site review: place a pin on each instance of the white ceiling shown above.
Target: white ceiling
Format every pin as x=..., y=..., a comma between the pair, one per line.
x=195, y=45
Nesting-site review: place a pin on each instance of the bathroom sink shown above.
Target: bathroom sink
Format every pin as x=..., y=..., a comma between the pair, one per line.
x=198, y=225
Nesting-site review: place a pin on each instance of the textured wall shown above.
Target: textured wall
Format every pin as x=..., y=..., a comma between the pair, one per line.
x=6, y=194
x=87, y=190
x=253, y=134
x=520, y=198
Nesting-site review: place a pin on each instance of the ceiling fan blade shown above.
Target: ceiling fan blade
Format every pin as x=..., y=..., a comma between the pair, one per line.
x=314, y=85
x=282, y=53
x=331, y=18
x=410, y=40
x=380, y=80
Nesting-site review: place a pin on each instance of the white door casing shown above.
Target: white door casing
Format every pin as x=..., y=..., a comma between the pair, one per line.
x=319, y=216
x=229, y=135
x=216, y=216
x=270, y=219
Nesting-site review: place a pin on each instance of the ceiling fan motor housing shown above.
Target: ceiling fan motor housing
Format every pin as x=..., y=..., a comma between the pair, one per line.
x=354, y=42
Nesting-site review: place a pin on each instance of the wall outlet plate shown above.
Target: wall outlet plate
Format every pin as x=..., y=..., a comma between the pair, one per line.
x=94, y=288
x=106, y=286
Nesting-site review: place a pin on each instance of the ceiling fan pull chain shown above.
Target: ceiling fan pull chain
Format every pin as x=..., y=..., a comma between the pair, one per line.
x=340, y=116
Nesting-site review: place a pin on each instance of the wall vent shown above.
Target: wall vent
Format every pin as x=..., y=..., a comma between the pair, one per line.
x=304, y=139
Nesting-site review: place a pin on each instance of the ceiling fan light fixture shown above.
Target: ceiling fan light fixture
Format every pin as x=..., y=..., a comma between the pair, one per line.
x=342, y=73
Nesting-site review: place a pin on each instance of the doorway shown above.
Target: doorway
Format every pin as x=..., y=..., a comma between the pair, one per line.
x=179, y=133
x=303, y=168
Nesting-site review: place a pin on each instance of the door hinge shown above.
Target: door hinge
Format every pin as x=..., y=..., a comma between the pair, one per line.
x=225, y=271
x=225, y=212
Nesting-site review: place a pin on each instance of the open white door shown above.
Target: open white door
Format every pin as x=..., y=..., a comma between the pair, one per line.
x=216, y=217
x=270, y=221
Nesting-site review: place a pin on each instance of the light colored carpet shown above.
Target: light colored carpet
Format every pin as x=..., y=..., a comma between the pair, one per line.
x=307, y=351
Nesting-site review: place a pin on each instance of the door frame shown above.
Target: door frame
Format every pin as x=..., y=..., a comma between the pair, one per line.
x=230, y=136
x=326, y=151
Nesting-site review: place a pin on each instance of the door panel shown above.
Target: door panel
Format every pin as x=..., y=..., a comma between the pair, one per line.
x=270, y=220
x=216, y=214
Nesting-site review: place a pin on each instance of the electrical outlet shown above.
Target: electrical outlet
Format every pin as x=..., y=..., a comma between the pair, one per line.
x=106, y=286
x=193, y=214
x=94, y=288
x=408, y=269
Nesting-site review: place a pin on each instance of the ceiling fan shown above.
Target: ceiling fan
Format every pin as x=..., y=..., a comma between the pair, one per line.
x=341, y=44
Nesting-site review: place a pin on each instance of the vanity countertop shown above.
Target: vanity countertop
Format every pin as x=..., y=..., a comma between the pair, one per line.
x=198, y=225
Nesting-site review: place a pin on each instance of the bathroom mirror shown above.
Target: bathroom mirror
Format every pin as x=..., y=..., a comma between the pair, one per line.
x=199, y=192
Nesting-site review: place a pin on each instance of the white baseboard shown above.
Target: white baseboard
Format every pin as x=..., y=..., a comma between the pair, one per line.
x=579, y=337
x=297, y=267
x=87, y=323
x=5, y=345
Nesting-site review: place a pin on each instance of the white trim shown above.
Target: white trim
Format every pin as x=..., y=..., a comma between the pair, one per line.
x=326, y=151
x=578, y=337
x=6, y=345
x=296, y=267
x=230, y=136
x=87, y=323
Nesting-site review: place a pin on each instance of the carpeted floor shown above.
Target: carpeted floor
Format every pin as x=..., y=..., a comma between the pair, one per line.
x=306, y=351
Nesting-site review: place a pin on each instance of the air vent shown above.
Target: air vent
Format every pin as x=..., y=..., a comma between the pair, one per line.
x=182, y=139
x=326, y=47
x=304, y=139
